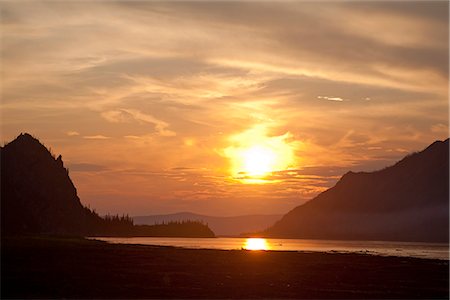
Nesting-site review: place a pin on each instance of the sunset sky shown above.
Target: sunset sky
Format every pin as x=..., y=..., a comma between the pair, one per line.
x=222, y=108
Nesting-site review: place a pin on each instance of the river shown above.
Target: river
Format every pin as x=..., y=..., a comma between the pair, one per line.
x=409, y=249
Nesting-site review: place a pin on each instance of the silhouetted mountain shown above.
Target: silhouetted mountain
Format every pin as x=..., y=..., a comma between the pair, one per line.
x=37, y=193
x=38, y=197
x=408, y=201
x=225, y=226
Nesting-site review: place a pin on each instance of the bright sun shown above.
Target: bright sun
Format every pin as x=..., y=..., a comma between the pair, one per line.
x=258, y=160
x=255, y=156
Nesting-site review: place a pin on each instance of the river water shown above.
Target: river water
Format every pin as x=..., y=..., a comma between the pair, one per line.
x=409, y=249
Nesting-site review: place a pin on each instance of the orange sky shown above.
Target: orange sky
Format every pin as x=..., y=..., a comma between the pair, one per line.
x=158, y=107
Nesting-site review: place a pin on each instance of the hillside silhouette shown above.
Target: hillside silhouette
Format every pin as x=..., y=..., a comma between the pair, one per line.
x=408, y=201
x=38, y=197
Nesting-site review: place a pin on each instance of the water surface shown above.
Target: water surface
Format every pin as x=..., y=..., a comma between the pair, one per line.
x=409, y=249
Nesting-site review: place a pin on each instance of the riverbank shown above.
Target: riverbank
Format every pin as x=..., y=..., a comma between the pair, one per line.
x=79, y=268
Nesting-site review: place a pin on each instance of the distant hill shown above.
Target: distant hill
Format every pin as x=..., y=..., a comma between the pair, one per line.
x=224, y=226
x=408, y=201
x=38, y=197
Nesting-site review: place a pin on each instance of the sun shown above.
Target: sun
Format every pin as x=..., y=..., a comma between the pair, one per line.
x=258, y=161
x=255, y=156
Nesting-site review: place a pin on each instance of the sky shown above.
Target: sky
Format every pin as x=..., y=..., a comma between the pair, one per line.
x=222, y=108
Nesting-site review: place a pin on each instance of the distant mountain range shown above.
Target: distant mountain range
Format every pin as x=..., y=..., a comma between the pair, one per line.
x=408, y=201
x=224, y=226
x=38, y=197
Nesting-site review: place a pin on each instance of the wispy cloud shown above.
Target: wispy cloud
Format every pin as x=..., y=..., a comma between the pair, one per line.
x=128, y=115
x=133, y=137
x=72, y=133
x=96, y=137
x=86, y=167
x=330, y=98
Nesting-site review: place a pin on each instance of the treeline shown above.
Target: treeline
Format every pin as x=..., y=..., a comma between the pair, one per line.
x=115, y=225
x=175, y=229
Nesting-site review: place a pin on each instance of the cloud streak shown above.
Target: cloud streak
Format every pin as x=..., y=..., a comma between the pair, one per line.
x=128, y=115
x=96, y=137
x=330, y=98
x=72, y=133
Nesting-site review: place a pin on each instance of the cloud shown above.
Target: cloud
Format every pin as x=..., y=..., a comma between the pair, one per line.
x=330, y=98
x=96, y=137
x=115, y=116
x=439, y=128
x=140, y=140
x=86, y=167
x=133, y=137
x=72, y=133
x=128, y=115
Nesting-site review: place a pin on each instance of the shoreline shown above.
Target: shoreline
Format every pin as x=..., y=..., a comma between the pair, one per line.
x=81, y=268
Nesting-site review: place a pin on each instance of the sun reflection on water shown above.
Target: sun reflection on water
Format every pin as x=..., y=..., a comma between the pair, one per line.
x=256, y=244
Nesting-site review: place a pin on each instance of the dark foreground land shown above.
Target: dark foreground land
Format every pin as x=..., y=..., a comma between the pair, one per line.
x=78, y=268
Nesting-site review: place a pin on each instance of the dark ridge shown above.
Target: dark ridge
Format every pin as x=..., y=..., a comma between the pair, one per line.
x=408, y=201
x=37, y=193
